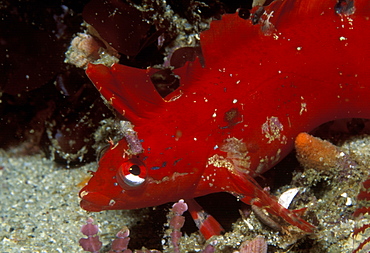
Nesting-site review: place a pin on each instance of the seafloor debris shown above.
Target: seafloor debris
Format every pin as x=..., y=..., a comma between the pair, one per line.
x=257, y=245
x=361, y=234
x=333, y=178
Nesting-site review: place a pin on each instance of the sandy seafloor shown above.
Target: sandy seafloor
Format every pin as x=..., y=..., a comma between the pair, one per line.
x=40, y=209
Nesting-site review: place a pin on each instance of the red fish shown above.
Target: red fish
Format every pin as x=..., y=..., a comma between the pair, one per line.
x=305, y=63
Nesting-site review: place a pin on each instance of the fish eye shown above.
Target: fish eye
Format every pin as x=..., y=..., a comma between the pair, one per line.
x=131, y=174
x=135, y=170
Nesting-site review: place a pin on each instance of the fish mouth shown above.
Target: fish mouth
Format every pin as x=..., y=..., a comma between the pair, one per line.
x=91, y=207
x=94, y=201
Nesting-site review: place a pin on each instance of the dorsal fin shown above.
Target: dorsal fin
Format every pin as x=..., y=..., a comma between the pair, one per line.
x=227, y=35
x=223, y=38
x=187, y=74
x=129, y=90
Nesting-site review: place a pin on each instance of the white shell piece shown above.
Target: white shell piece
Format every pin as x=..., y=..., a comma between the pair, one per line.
x=286, y=198
x=349, y=202
x=348, y=199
